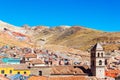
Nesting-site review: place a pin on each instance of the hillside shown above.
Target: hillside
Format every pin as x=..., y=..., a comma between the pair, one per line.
x=12, y=35
x=6, y=39
x=76, y=37
x=79, y=37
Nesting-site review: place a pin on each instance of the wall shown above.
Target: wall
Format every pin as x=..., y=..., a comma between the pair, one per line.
x=45, y=70
x=7, y=71
x=22, y=72
x=100, y=72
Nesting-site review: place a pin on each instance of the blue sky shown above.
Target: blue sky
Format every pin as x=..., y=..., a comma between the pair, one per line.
x=96, y=14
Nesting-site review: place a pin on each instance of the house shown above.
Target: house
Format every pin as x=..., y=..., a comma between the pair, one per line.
x=36, y=62
x=10, y=70
x=13, y=69
x=27, y=57
x=40, y=70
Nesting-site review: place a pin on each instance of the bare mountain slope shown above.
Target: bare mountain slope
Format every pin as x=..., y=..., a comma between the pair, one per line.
x=12, y=35
x=6, y=39
x=77, y=37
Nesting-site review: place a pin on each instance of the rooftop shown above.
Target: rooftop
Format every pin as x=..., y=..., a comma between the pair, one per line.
x=36, y=61
x=97, y=46
x=66, y=70
x=37, y=78
x=30, y=55
x=112, y=73
x=15, y=66
x=58, y=78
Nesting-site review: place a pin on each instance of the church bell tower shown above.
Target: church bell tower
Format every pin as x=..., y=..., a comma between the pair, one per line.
x=98, y=61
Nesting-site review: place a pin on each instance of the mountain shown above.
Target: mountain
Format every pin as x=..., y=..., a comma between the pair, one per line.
x=76, y=37
x=12, y=35
x=5, y=25
x=8, y=26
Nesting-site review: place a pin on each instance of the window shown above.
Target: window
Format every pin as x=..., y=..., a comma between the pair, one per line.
x=100, y=62
x=10, y=71
x=105, y=61
x=40, y=73
x=27, y=58
x=32, y=64
x=2, y=71
x=5, y=75
x=29, y=63
x=101, y=54
x=25, y=72
x=98, y=54
x=18, y=72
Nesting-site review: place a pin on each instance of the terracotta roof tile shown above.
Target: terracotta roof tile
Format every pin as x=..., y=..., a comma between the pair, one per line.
x=37, y=78
x=66, y=70
x=15, y=66
x=30, y=55
x=112, y=73
x=68, y=78
x=58, y=78
x=36, y=61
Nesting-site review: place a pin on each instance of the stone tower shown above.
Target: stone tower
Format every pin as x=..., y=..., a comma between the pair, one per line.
x=98, y=61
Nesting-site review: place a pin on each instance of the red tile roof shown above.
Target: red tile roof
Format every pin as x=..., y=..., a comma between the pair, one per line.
x=112, y=73
x=58, y=78
x=37, y=78
x=68, y=78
